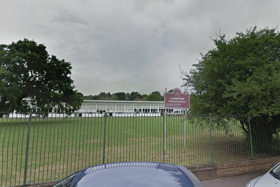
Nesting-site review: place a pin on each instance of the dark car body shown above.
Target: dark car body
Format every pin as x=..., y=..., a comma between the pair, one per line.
x=136, y=174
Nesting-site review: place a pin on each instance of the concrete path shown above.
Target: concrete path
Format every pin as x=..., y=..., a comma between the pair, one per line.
x=237, y=181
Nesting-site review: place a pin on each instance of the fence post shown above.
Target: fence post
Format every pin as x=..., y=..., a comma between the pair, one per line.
x=105, y=115
x=27, y=148
x=185, y=134
x=164, y=135
x=251, y=142
x=211, y=140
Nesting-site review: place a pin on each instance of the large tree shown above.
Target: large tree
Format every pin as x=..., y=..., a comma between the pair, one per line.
x=120, y=95
x=154, y=96
x=108, y=95
x=134, y=95
x=102, y=95
x=241, y=76
x=29, y=72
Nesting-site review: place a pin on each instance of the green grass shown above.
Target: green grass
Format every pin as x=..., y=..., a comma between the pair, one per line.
x=60, y=146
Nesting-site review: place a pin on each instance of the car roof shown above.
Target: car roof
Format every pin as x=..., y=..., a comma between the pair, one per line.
x=133, y=174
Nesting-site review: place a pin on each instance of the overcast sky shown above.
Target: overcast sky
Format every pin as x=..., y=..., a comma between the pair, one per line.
x=130, y=45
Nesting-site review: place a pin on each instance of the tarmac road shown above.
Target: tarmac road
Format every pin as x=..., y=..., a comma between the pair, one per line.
x=237, y=181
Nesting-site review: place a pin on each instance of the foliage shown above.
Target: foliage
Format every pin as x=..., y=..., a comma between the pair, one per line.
x=120, y=95
x=125, y=96
x=154, y=97
x=29, y=72
x=241, y=76
x=90, y=97
x=144, y=96
x=95, y=97
x=108, y=95
x=134, y=95
x=115, y=97
x=218, y=123
x=102, y=95
x=157, y=92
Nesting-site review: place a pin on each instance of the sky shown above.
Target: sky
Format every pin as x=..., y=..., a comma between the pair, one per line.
x=131, y=45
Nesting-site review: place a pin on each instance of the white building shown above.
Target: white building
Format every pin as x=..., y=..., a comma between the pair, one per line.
x=120, y=106
x=97, y=108
x=117, y=106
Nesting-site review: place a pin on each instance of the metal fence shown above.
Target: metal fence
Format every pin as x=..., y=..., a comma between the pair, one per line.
x=36, y=149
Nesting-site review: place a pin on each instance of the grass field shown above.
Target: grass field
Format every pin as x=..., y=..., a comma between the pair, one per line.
x=60, y=146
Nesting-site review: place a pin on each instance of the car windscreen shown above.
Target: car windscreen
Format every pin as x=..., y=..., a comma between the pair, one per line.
x=276, y=172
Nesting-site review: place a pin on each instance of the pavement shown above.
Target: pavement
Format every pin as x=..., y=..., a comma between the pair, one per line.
x=236, y=181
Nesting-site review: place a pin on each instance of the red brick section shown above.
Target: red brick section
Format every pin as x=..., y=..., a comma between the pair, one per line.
x=229, y=169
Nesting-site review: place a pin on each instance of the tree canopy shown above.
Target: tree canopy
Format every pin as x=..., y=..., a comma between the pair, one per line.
x=154, y=96
x=29, y=72
x=134, y=95
x=120, y=95
x=126, y=96
x=240, y=76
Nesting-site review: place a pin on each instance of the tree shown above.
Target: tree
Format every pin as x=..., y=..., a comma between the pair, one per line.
x=115, y=97
x=158, y=93
x=120, y=95
x=134, y=95
x=95, y=97
x=102, y=95
x=28, y=71
x=108, y=95
x=241, y=76
x=144, y=96
x=154, y=97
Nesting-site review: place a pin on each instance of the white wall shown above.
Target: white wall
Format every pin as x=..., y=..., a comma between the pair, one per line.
x=121, y=106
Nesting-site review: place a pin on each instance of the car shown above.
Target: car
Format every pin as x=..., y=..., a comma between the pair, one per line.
x=271, y=178
x=137, y=174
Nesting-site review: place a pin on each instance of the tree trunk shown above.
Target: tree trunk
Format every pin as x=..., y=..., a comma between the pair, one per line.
x=262, y=132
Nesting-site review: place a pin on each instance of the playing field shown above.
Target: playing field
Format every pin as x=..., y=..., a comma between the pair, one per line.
x=59, y=146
